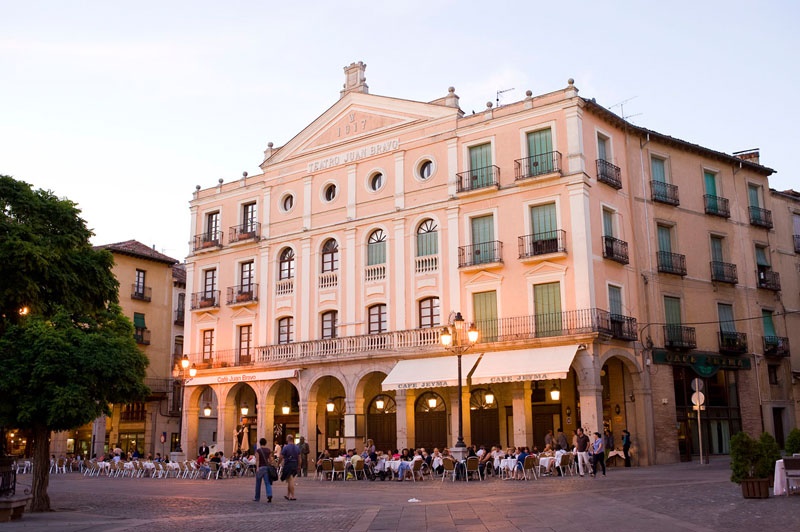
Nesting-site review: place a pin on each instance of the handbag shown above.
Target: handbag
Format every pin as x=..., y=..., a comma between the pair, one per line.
x=272, y=473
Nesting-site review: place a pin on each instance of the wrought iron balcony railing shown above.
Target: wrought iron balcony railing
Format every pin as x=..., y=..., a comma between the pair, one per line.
x=674, y=263
x=585, y=321
x=246, y=231
x=732, y=342
x=205, y=300
x=664, y=193
x=761, y=217
x=609, y=174
x=679, y=337
x=615, y=249
x=723, y=272
x=142, y=336
x=243, y=293
x=537, y=165
x=776, y=346
x=158, y=386
x=207, y=240
x=483, y=253
x=142, y=293
x=542, y=243
x=769, y=280
x=477, y=178
x=717, y=206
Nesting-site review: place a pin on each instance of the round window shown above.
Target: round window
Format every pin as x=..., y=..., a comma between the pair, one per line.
x=376, y=181
x=425, y=169
x=288, y=202
x=330, y=192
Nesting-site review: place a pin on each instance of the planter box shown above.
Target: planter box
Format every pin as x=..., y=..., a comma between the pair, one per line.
x=246, y=296
x=755, y=488
x=205, y=303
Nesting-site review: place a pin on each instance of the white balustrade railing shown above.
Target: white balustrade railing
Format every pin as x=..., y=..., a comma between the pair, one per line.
x=426, y=264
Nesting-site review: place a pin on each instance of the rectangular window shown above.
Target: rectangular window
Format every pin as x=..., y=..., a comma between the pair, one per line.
x=753, y=196
x=245, y=343
x=208, y=345
x=484, y=305
x=772, y=372
x=249, y=217
x=608, y=222
x=665, y=238
x=540, y=149
x=796, y=224
x=615, y=300
x=716, y=249
x=544, y=221
x=246, y=276
x=329, y=325
x=480, y=166
x=212, y=226
x=672, y=310
x=710, y=180
x=429, y=312
x=658, y=170
x=139, y=284
x=140, y=328
x=725, y=313
x=209, y=283
x=285, y=330
x=547, y=309
x=602, y=148
x=769, y=324
x=483, y=239
x=377, y=319
x=761, y=257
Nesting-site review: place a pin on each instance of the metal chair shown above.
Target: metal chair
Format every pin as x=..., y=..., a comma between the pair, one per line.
x=473, y=466
x=792, y=467
x=338, y=469
x=531, y=464
x=358, y=468
x=566, y=464
x=449, y=468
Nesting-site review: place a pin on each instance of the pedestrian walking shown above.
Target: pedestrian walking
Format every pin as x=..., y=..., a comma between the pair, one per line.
x=626, y=447
x=289, y=455
x=598, y=454
x=304, y=450
x=582, y=448
x=263, y=465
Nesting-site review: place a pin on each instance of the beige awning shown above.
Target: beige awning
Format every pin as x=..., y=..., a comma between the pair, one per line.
x=423, y=373
x=539, y=364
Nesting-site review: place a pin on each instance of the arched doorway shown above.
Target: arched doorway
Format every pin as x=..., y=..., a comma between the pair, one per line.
x=286, y=418
x=484, y=419
x=382, y=422
x=430, y=421
x=245, y=411
x=335, y=409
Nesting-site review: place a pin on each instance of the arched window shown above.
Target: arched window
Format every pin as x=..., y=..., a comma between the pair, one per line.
x=376, y=248
x=429, y=312
x=427, y=238
x=329, y=324
x=330, y=256
x=286, y=330
x=286, y=264
x=430, y=402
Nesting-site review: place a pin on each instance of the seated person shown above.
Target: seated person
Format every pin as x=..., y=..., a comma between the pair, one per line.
x=557, y=460
x=519, y=468
x=486, y=464
x=548, y=451
x=205, y=470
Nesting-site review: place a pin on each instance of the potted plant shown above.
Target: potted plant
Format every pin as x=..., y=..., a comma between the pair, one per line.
x=753, y=463
x=793, y=442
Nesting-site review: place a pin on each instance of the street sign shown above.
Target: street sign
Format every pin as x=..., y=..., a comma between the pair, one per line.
x=697, y=385
x=698, y=398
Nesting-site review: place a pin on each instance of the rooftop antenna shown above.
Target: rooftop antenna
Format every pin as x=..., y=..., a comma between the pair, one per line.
x=497, y=100
x=621, y=106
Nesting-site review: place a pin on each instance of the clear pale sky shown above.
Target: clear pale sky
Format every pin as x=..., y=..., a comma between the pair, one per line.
x=125, y=107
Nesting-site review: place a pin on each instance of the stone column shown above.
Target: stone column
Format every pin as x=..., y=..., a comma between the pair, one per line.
x=402, y=417
x=523, y=415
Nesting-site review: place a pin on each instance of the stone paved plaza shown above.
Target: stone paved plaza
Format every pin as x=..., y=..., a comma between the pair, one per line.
x=661, y=498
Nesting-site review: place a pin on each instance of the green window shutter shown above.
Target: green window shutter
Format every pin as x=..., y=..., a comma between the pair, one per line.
x=664, y=239
x=483, y=239
x=725, y=313
x=543, y=219
x=672, y=310
x=608, y=223
x=376, y=253
x=761, y=257
x=615, y=300
x=480, y=162
x=657, y=170
x=711, y=183
x=540, y=144
x=427, y=244
x=769, y=325
x=752, y=196
x=602, y=148
x=547, y=309
x=716, y=249
x=138, y=321
x=485, y=308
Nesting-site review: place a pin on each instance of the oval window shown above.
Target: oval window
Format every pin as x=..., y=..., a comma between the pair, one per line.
x=425, y=169
x=376, y=181
x=330, y=192
x=288, y=202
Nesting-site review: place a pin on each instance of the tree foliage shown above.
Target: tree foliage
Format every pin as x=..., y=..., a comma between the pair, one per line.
x=73, y=352
x=793, y=442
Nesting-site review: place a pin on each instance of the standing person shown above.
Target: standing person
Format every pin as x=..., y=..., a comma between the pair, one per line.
x=304, y=450
x=204, y=450
x=548, y=439
x=263, y=460
x=598, y=454
x=626, y=447
x=561, y=439
x=582, y=448
x=608, y=442
x=289, y=454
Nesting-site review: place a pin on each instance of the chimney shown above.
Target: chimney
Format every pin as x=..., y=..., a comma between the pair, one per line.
x=354, y=79
x=751, y=156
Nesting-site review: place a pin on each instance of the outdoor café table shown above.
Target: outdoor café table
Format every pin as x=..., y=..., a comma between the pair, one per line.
x=780, y=479
x=614, y=455
x=393, y=466
x=507, y=466
x=104, y=466
x=545, y=461
x=436, y=463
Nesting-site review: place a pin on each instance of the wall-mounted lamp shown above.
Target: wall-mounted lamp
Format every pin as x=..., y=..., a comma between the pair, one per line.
x=207, y=410
x=330, y=405
x=245, y=409
x=555, y=393
x=569, y=411
x=617, y=409
x=489, y=397
x=380, y=404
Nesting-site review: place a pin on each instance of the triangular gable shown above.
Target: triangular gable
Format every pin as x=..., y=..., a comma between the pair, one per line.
x=357, y=116
x=546, y=267
x=484, y=277
x=206, y=317
x=243, y=312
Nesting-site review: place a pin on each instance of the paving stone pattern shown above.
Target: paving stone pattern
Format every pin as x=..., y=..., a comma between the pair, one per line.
x=676, y=497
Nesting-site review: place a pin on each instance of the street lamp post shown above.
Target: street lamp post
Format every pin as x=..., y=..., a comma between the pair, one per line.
x=186, y=366
x=457, y=340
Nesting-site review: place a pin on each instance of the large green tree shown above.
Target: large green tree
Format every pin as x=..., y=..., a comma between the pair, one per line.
x=66, y=350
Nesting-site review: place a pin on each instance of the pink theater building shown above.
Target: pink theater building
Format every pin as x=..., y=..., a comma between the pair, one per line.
x=319, y=288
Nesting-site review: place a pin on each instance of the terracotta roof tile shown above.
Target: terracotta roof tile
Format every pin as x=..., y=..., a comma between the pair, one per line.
x=137, y=249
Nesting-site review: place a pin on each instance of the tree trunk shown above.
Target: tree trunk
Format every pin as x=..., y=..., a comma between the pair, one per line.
x=40, y=476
